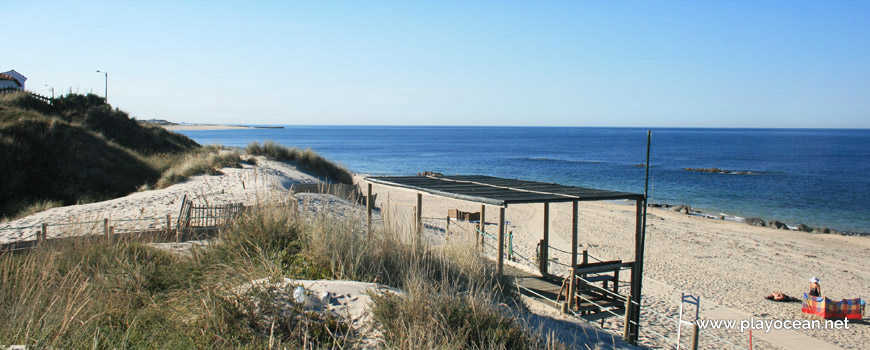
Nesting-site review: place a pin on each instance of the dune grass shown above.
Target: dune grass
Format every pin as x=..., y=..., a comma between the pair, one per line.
x=130, y=295
x=206, y=160
x=307, y=159
x=76, y=148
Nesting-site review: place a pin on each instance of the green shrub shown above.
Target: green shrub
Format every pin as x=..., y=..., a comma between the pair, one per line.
x=207, y=160
x=307, y=160
x=77, y=149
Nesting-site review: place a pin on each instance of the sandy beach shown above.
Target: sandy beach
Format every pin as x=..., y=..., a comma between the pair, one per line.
x=177, y=127
x=730, y=265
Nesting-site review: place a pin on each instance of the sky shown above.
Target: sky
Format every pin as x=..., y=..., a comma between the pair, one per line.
x=745, y=64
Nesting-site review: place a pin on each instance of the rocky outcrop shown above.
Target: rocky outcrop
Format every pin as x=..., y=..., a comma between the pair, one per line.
x=777, y=225
x=720, y=171
x=804, y=228
x=754, y=221
x=823, y=230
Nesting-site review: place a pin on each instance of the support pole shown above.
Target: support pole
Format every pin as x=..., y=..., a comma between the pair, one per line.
x=637, y=275
x=640, y=238
x=419, y=214
x=42, y=236
x=500, y=241
x=106, y=230
x=544, y=261
x=482, y=223
x=627, y=325
x=573, y=279
x=369, y=209
x=695, y=333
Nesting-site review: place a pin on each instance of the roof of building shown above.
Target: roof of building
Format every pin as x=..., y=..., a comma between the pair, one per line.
x=8, y=77
x=499, y=191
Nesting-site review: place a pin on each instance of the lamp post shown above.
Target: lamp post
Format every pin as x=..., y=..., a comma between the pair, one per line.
x=52, y=91
x=106, y=96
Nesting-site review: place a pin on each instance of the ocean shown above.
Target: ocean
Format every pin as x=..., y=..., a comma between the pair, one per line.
x=817, y=177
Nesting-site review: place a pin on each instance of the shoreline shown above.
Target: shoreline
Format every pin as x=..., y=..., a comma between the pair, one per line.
x=189, y=127
x=756, y=221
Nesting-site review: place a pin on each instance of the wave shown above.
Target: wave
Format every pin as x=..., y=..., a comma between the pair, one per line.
x=724, y=171
x=556, y=160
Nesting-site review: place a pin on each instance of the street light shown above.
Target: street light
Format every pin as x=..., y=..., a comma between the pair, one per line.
x=52, y=90
x=106, y=96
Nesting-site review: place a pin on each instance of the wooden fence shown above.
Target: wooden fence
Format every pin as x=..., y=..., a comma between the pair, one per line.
x=12, y=90
x=344, y=191
x=206, y=216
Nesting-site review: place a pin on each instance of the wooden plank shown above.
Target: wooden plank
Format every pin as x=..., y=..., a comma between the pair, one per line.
x=602, y=268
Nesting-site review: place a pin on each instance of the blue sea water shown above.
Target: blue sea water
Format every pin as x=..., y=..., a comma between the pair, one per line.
x=818, y=177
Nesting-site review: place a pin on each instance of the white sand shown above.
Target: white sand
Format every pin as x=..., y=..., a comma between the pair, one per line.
x=730, y=265
x=349, y=301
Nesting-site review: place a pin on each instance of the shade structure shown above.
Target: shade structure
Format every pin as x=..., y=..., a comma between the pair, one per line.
x=502, y=192
x=499, y=191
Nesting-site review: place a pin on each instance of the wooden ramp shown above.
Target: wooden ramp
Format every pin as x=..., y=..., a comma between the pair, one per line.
x=593, y=306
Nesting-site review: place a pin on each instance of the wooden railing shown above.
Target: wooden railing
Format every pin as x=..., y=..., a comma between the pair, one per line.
x=206, y=216
x=12, y=90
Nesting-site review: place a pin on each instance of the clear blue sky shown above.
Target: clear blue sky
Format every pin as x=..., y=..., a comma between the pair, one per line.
x=572, y=63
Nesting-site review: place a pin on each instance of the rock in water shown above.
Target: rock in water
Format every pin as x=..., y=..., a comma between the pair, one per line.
x=804, y=228
x=754, y=221
x=777, y=225
x=821, y=230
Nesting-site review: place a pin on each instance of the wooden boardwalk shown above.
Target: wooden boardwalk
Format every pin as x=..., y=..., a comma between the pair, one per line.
x=593, y=306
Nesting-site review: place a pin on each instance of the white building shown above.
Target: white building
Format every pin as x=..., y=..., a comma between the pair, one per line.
x=12, y=79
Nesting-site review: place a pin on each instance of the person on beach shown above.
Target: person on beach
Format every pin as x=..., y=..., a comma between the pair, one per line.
x=815, y=289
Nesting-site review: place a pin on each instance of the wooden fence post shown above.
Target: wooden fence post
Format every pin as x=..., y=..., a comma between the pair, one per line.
x=106, y=230
x=42, y=235
x=695, y=333
x=369, y=206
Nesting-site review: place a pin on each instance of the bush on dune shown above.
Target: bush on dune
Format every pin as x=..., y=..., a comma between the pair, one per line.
x=207, y=160
x=307, y=159
x=52, y=160
x=77, y=148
